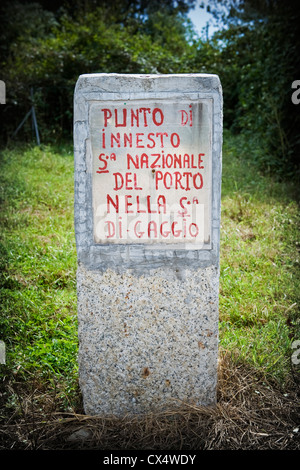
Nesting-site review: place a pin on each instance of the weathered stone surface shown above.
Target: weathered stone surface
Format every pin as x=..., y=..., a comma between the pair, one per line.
x=147, y=309
x=147, y=341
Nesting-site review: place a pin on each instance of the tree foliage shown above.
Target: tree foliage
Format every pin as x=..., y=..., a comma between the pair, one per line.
x=47, y=51
x=46, y=45
x=260, y=60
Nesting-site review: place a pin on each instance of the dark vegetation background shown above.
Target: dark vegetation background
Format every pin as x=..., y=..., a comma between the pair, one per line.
x=45, y=45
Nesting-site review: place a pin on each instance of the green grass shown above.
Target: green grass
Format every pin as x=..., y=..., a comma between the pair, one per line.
x=259, y=284
x=38, y=320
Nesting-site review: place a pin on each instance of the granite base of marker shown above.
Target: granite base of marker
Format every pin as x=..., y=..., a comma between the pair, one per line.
x=147, y=342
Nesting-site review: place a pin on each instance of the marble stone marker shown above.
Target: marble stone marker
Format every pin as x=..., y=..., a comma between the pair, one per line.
x=147, y=222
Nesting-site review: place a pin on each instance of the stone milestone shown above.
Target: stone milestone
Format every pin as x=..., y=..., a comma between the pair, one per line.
x=147, y=221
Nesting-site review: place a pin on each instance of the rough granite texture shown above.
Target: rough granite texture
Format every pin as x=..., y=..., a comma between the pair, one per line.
x=147, y=341
x=148, y=315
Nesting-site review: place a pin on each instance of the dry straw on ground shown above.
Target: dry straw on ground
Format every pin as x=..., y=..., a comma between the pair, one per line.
x=251, y=413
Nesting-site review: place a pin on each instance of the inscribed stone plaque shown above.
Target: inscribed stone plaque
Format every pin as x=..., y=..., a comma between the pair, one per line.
x=152, y=171
x=147, y=222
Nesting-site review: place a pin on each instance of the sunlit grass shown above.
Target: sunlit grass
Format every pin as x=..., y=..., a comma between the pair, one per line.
x=38, y=261
x=259, y=285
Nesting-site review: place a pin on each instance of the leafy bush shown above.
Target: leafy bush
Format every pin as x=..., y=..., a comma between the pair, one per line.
x=58, y=48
